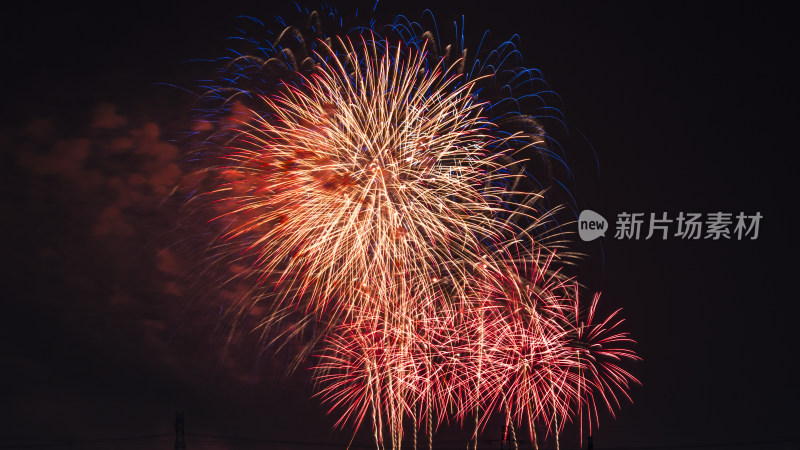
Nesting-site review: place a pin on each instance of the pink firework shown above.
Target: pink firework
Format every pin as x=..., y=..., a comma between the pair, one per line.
x=377, y=199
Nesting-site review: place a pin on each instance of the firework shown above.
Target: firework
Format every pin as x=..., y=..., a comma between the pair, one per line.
x=378, y=199
x=517, y=345
x=368, y=182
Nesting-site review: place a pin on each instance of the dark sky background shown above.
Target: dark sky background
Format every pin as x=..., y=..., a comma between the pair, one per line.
x=689, y=108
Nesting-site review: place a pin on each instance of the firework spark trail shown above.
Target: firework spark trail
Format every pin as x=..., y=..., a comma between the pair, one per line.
x=506, y=350
x=347, y=190
x=375, y=198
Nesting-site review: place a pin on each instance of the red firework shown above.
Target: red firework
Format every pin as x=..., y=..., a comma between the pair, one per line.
x=377, y=200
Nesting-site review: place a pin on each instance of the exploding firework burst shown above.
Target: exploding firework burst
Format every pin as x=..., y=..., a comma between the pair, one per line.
x=377, y=192
x=365, y=185
x=516, y=345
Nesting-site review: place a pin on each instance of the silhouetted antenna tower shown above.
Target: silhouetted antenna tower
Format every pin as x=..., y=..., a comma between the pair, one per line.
x=180, y=442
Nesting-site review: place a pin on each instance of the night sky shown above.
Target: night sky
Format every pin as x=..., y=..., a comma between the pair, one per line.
x=106, y=326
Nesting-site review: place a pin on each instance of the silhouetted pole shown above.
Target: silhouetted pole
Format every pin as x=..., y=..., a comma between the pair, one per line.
x=180, y=443
x=590, y=444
